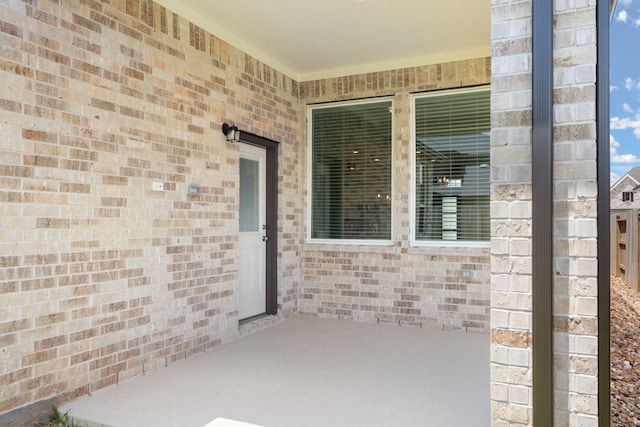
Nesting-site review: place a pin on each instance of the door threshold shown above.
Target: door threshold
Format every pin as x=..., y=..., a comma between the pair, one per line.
x=257, y=323
x=252, y=318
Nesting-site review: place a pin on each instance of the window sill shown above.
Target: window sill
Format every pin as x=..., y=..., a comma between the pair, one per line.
x=349, y=242
x=450, y=244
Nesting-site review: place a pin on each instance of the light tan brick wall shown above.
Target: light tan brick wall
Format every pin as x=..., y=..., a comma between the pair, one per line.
x=575, y=213
x=397, y=283
x=575, y=232
x=102, y=278
x=511, y=340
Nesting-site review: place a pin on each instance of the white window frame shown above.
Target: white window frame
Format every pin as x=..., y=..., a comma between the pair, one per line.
x=347, y=242
x=412, y=184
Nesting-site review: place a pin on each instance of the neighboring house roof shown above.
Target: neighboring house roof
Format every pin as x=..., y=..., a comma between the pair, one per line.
x=633, y=174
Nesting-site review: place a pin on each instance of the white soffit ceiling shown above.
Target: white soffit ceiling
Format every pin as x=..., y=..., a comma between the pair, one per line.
x=314, y=39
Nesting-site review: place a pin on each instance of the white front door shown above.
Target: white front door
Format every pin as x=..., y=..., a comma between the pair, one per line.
x=252, y=262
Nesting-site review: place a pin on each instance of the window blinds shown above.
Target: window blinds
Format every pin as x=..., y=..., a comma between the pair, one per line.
x=452, y=165
x=351, y=171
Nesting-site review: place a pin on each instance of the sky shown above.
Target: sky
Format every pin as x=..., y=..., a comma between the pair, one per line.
x=625, y=88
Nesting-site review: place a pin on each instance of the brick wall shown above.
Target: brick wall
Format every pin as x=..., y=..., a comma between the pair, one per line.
x=397, y=283
x=575, y=217
x=511, y=340
x=101, y=277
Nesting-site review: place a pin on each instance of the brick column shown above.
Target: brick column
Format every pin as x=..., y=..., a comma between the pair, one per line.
x=511, y=338
x=575, y=206
x=575, y=215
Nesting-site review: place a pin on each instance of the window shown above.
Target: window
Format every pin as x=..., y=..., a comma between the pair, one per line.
x=451, y=191
x=627, y=196
x=351, y=171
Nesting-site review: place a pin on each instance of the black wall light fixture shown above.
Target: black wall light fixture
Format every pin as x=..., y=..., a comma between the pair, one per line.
x=232, y=132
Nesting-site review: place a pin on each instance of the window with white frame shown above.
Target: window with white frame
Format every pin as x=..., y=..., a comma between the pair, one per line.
x=451, y=191
x=351, y=170
x=627, y=196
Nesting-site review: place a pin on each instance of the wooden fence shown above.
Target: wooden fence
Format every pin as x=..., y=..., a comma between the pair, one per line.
x=624, y=246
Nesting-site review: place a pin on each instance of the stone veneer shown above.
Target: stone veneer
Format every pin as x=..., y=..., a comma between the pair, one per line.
x=626, y=184
x=575, y=216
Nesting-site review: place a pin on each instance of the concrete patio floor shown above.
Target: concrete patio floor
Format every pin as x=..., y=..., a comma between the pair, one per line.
x=311, y=372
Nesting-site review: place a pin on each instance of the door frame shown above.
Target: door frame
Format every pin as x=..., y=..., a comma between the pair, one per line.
x=271, y=202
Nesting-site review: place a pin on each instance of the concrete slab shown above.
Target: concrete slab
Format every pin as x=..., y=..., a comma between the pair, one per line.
x=311, y=372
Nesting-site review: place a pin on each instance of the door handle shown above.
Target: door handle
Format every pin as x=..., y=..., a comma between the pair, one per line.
x=265, y=238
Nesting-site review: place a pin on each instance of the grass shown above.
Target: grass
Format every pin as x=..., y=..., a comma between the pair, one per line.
x=60, y=420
